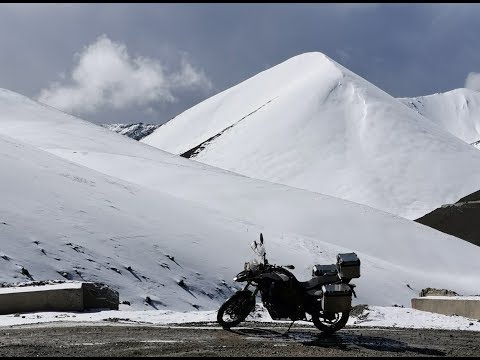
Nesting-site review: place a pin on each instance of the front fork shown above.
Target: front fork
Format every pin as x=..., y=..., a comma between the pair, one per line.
x=249, y=283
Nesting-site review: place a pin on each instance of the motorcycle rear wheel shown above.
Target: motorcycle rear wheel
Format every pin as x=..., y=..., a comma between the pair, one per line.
x=236, y=309
x=329, y=326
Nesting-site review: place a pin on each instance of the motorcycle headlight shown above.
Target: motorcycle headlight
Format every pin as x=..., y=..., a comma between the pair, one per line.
x=241, y=276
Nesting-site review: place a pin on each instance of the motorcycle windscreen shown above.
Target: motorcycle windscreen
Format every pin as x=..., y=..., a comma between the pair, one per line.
x=258, y=249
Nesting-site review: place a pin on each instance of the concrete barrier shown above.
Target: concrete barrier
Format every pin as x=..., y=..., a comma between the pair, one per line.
x=467, y=306
x=68, y=296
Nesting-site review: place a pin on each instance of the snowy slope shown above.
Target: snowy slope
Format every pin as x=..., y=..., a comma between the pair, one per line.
x=457, y=111
x=313, y=124
x=373, y=316
x=96, y=201
x=60, y=217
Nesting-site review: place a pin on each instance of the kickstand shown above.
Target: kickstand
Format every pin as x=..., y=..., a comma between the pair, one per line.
x=289, y=328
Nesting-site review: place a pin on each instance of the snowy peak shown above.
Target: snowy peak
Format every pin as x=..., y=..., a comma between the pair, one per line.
x=457, y=111
x=310, y=77
x=264, y=88
x=313, y=124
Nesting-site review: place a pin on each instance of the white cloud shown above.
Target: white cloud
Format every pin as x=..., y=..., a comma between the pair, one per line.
x=106, y=76
x=473, y=81
x=189, y=76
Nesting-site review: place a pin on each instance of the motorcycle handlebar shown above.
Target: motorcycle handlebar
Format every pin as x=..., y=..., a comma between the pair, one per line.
x=284, y=266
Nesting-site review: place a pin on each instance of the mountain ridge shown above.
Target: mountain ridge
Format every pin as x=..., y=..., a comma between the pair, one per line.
x=457, y=111
x=339, y=134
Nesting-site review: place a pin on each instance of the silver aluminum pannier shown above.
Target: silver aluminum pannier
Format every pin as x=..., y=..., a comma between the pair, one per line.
x=320, y=270
x=336, y=298
x=348, y=265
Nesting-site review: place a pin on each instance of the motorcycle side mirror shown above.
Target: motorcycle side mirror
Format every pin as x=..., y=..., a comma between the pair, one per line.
x=254, y=245
x=261, y=238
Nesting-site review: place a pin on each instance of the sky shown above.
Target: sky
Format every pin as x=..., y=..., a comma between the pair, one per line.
x=127, y=62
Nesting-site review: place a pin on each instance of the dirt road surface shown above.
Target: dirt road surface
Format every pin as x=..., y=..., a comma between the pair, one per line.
x=114, y=338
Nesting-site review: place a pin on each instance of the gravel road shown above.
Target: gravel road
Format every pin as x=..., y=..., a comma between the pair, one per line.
x=114, y=338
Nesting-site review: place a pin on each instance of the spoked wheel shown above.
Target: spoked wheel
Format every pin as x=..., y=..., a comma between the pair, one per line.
x=236, y=309
x=330, y=322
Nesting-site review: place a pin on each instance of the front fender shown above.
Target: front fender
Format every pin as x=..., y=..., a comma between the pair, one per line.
x=245, y=293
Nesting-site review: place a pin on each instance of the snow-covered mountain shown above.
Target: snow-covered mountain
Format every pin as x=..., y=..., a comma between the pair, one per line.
x=80, y=199
x=457, y=111
x=313, y=124
x=135, y=131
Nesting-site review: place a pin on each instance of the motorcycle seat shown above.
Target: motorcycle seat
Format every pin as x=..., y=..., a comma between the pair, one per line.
x=318, y=281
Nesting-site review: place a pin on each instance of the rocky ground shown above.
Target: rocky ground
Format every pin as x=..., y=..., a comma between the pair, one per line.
x=114, y=338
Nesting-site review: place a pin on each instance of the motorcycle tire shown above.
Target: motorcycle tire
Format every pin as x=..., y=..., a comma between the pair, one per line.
x=237, y=308
x=329, y=327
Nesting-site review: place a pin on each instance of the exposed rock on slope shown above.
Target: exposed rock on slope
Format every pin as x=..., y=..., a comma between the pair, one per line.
x=135, y=131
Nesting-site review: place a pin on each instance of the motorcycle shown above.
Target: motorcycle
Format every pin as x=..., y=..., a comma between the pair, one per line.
x=325, y=299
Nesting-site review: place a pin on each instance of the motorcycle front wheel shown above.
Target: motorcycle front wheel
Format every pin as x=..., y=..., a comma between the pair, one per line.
x=330, y=322
x=236, y=309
